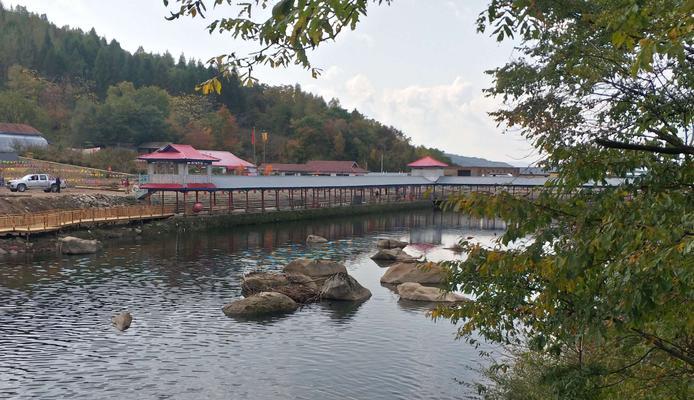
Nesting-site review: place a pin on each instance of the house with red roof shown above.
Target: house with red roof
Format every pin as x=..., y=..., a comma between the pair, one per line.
x=178, y=167
x=230, y=164
x=428, y=167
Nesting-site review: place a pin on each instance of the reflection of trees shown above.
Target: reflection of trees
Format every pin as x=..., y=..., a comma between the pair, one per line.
x=179, y=259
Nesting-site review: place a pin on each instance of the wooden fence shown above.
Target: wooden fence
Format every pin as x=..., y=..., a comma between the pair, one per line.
x=55, y=220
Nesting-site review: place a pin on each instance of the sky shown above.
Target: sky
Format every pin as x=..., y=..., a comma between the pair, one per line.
x=417, y=65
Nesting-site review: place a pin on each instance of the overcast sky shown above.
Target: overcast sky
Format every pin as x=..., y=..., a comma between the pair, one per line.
x=417, y=65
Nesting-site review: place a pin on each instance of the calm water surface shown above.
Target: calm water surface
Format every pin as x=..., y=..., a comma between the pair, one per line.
x=56, y=340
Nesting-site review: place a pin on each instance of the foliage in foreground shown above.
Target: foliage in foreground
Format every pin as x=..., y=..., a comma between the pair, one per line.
x=601, y=286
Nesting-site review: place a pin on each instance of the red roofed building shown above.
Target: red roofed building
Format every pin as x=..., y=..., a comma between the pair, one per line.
x=230, y=164
x=316, y=168
x=427, y=167
x=178, y=166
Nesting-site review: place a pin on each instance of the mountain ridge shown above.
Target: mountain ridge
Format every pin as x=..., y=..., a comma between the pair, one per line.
x=466, y=161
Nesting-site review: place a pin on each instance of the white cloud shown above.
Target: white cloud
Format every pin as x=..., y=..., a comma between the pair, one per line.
x=359, y=91
x=452, y=117
x=331, y=73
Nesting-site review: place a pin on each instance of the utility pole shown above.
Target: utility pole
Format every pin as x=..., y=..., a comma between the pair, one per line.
x=255, y=161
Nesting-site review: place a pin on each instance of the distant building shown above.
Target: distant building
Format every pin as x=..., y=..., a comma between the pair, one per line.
x=455, y=170
x=15, y=137
x=230, y=164
x=150, y=147
x=315, y=168
x=536, y=171
x=428, y=167
x=178, y=167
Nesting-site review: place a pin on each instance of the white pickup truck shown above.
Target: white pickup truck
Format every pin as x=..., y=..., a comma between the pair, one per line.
x=35, y=181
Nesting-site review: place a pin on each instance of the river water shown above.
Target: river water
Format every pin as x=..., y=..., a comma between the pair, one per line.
x=56, y=340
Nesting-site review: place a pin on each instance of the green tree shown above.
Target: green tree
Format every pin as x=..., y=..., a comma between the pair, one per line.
x=127, y=116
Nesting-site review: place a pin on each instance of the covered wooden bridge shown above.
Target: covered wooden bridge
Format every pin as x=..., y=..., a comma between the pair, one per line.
x=181, y=177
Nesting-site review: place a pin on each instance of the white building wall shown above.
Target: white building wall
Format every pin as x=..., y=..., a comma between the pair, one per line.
x=429, y=173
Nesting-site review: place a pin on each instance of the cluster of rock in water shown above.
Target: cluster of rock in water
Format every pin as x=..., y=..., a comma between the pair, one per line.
x=304, y=281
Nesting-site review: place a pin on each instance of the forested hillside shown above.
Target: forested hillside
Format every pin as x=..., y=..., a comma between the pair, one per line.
x=81, y=90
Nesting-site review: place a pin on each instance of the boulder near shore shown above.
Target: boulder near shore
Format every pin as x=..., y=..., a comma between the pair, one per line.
x=342, y=286
x=73, y=245
x=417, y=292
x=314, y=268
x=390, y=244
x=262, y=303
x=395, y=254
x=298, y=287
x=314, y=239
x=429, y=273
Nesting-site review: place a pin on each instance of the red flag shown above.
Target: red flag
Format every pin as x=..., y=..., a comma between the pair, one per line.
x=253, y=136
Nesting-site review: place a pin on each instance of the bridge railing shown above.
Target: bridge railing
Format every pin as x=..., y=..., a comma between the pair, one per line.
x=50, y=221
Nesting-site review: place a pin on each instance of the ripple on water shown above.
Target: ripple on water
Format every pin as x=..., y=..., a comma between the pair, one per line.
x=56, y=340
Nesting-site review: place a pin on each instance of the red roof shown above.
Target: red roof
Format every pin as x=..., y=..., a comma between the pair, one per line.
x=18, y=129
x=227, y=159
x=177, y=152
x=427, y=162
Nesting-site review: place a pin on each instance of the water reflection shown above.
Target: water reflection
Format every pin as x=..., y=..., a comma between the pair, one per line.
x=56, y=340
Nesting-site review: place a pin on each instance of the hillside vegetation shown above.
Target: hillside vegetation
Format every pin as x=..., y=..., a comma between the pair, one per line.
x=82, y=91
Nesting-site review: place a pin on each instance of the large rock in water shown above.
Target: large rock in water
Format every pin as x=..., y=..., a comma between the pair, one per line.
x=314, y=268
x=392, y=255
x=260, y=304
x=299, y=288
x=122, y=321
x=315, y=239
x=343, y=287
x=417, y=292
x=391, y=244
x=73, y=245
x=410, y=272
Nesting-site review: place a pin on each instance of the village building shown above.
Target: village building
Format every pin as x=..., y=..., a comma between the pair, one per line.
x=315, y=168
x=536, y=171
x=230, y=164
x=455, y=170
x=427, y=167
x=178, y=167
x=15, y=137
x=150, y=147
